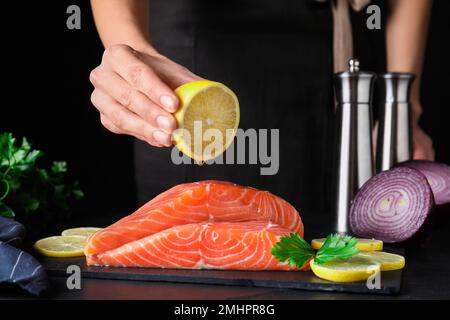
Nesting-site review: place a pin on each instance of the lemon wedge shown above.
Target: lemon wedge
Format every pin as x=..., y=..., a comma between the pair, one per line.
x=388, y=261
x=362, y=245
x=61, y=246
x=82, y=231
x=356, y=268
x=208, y=119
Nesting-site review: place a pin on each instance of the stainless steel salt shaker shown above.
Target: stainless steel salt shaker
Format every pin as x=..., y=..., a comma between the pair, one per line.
x=355, y=165
x=394, y=141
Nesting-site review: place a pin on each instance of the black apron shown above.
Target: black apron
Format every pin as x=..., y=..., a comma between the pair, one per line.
x=277, y=57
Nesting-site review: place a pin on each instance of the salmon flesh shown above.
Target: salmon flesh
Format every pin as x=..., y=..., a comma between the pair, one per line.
x=200, y=225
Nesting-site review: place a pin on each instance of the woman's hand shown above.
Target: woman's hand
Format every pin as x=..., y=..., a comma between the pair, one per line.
x=422, y=145
x=134, y=93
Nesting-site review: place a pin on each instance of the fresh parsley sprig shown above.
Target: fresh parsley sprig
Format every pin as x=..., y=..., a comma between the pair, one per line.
x=336, y=247
x=298, y=252
x=27, y=188
x=294, y=249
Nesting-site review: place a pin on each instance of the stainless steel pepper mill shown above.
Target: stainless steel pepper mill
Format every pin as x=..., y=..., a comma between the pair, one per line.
x=353, y=91
x=394, y=142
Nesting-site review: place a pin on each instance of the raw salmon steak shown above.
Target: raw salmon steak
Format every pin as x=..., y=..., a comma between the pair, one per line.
x=198, y=202
x=219, y=245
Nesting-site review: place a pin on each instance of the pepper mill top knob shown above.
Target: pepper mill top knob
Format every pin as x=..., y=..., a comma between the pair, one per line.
x=353, y=85
x=353, y=65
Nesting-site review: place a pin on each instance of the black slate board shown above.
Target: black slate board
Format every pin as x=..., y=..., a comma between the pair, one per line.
x=390, y=281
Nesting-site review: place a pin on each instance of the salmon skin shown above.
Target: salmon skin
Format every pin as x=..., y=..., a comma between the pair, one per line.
x=220, y=245
x=187, y=204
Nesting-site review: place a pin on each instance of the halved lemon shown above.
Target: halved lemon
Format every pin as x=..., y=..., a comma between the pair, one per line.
x=362, y=245
x=208, y=119
x=61, y=246
x=82, y=231
x=388, y=261
x=349, y=270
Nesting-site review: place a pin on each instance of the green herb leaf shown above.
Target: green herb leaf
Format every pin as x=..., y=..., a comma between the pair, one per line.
x=6, y=212
x=6, y=145
x=59, y=166
x=33, y=156
x=78, y=193
x=336, y=247
x=28, y=189
x=294, y=249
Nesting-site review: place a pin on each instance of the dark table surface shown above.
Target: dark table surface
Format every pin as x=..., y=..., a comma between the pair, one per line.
x=426, y=276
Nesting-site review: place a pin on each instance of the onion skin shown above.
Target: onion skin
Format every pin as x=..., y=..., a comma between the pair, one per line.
x=394, y=206
x=438, y=176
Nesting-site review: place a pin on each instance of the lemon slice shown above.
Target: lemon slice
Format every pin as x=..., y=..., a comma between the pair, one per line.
x=362, y=245
x=82, y=231
x=61, y=246
x=356, y=268
x=388, y=261
x=208, y=119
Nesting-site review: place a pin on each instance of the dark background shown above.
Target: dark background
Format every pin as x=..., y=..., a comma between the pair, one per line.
x=46, y=97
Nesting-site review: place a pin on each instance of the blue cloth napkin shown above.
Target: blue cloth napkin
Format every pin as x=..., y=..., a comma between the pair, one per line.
x=17, y=266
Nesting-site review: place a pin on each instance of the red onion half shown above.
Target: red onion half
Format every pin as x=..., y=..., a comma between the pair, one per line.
x=392, y=206
x=438, y=176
